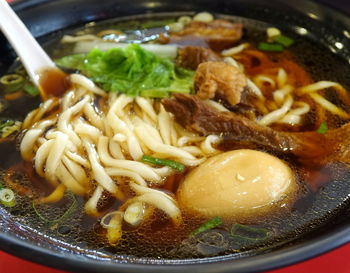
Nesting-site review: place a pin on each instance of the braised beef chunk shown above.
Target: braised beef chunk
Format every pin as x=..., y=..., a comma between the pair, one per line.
x=218, y=34
x=191, y=56
x=196, y=115
x=220, y=78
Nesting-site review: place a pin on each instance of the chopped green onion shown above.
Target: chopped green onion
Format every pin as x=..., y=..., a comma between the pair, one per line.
x=248, y=232
x=283, y=40
x=7, y=197
x=12, y=82
x=323, y=128
x=270, y=47
x=11, y=79
x=212, y=223
x=21, y=70
x=31, y=90
x=272, y=32
x=6, y=123
x=163, y=162
x=73, y=206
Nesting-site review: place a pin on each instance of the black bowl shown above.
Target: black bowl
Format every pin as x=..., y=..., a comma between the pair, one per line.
x=46, y=18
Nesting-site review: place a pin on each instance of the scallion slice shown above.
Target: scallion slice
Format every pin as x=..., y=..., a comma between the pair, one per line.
x=163, y=162
x=31, y=90
x=283, y=40
x=248, y=232
x=323, y=128
x=7, y=197
x=212, y=223
x=11, y=79
x=270, y=47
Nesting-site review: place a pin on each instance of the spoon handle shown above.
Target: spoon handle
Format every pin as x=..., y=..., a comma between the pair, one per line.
x=33, y=57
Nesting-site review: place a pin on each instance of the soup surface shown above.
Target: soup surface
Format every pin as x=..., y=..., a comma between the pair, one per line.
x=213, y=135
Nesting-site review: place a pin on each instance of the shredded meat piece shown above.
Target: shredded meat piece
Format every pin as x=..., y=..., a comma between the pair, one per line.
x=308, y=147
x=218, y=34
x=219, y=78
x=191, y=56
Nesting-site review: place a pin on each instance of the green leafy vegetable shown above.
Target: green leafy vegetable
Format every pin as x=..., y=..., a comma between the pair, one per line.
x=270, y=47
x=7, y=197
x=323, y=128
x=212, y=223
x=283, y=40
x=31, y=90
x=132, y=71
x=163, y=162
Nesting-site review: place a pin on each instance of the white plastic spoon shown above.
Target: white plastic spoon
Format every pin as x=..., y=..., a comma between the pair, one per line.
x=33, y=57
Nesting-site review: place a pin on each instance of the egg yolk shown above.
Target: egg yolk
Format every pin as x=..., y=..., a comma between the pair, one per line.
x=237, y=184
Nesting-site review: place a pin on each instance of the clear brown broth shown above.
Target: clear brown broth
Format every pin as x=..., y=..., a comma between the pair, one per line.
x=158, y=238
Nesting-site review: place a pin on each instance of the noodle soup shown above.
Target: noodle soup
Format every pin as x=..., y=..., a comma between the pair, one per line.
x=196, y=142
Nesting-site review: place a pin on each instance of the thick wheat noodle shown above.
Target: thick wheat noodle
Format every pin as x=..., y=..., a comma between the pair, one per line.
x=87, y=84
x=261, y=79
x=85, y=129
x=68, y=180
x=51, y=134
x=281, y=78
x=294, y=115
x=163, y=172
x=41, y=155
x=277, y=114
x=280, y=94
x=91, y=204
x=93, y=117
x=193, y=150
x=44, y=107
x=66, y=101
x=76, y=170
x=158, y=199
x=98, y=171
x=28, y=119
x=234, y=50
x=55, y=156
x=164, y=121
x=173, y=133
x=119, y=103
x=250, y=84
x=144, y=170
x=64, y=119
x=40, y=141
x=115, y=150
x=207, y=144
x=217, y=106
x=161, y=203
x=329, y=106
x=55, y=196
x=147, y=107
x=182, y=141
x=28, y=142
x=78, y=159
x=150, y=135
x=119, y=125
x=120, y=172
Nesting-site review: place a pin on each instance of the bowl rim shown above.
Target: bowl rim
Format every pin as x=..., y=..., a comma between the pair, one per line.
x=289, y=255
x=262, y=262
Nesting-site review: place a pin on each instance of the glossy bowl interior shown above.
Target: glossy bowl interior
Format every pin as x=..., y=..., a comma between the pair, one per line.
x=47, y=18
